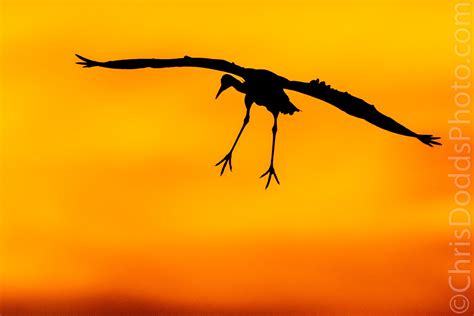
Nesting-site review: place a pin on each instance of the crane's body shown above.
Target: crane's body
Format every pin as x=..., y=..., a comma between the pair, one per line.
x=267, y=89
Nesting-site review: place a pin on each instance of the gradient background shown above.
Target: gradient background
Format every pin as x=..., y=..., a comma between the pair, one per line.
x=111, y=200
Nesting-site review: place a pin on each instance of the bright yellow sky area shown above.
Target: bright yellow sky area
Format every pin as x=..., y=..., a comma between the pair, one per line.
x=110, y=192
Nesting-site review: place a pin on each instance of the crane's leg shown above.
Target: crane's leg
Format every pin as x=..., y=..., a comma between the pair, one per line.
x=271, y=170
x=228, y=158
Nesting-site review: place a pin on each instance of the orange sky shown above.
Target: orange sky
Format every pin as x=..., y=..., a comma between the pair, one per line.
x=110, y=192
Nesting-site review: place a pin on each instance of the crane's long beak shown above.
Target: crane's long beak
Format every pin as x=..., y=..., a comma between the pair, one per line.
x=221, y=89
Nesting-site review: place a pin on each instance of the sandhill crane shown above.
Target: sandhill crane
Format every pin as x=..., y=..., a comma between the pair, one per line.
x=267, y=89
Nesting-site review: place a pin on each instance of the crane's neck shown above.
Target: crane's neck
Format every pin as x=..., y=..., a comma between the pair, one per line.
x=238, y=85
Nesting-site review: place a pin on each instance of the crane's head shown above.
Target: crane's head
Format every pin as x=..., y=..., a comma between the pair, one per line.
x=228, y=81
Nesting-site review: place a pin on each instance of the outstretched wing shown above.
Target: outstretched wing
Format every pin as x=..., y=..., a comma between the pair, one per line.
x=215, y=64
x=356, y=107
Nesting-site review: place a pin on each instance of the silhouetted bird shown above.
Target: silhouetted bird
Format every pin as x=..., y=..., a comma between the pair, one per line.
x=266, y=88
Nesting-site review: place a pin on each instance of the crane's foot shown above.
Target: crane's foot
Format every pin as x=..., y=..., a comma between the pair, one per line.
x=227, y=160
x=270, y=172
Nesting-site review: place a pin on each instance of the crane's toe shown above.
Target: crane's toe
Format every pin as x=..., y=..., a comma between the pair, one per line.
x=271, y=173
x=227, y=160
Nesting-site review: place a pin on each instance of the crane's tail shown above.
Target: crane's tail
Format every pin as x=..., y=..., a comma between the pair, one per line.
x=429, y=140
x=87, y=63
